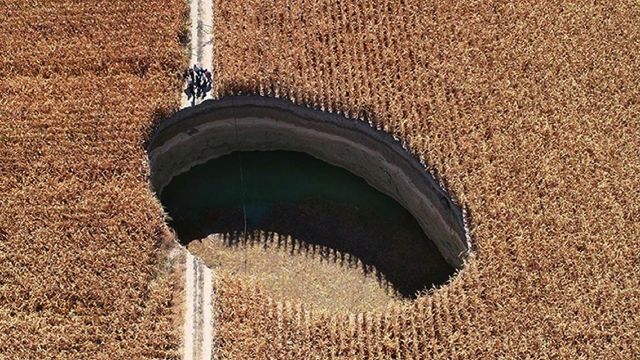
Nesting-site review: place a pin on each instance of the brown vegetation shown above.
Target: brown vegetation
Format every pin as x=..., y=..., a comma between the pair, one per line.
x=529, y=112
x=80, y=233
x=289, y=269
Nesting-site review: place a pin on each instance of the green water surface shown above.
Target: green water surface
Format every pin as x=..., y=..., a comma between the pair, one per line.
x=296, y=194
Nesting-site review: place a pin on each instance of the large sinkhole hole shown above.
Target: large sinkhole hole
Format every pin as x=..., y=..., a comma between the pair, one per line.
x=315, y=206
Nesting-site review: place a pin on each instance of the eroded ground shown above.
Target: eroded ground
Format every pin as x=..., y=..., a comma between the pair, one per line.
x=290, y=272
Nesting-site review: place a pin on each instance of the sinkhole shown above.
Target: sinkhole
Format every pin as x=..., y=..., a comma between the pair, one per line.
x=249, y=172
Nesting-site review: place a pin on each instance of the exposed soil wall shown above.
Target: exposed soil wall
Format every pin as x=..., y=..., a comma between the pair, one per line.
x=245, y=123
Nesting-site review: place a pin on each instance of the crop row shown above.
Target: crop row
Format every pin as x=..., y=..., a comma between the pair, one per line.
x=528, y=113
x=81, y=84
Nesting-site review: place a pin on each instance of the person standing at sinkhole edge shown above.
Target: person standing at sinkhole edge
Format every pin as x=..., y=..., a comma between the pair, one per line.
x=199, y=83
x=190, y=90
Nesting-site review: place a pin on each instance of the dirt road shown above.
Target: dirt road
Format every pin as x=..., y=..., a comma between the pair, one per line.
x=198, y=322
x=198, y=332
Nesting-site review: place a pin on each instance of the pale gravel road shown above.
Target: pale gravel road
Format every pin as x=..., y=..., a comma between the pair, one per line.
x=198, y=328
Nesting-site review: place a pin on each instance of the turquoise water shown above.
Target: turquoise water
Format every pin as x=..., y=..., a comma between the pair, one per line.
x=275, y=176
x=295, y=194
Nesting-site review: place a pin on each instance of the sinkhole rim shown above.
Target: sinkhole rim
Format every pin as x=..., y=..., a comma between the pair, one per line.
x=195, y=135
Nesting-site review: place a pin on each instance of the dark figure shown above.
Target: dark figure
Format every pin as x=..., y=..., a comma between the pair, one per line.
x=197, y=70
x=190, y=90
x=198, y=83
x=207, y=82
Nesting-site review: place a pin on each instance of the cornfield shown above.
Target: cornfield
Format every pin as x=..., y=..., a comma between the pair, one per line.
x=527, y=111
x=80, y=233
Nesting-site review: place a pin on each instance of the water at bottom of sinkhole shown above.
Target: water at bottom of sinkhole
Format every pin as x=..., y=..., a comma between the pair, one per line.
x=295, y=194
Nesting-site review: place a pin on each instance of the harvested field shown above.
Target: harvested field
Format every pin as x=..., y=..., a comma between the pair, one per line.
x=81, y=235
x=527, y=111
